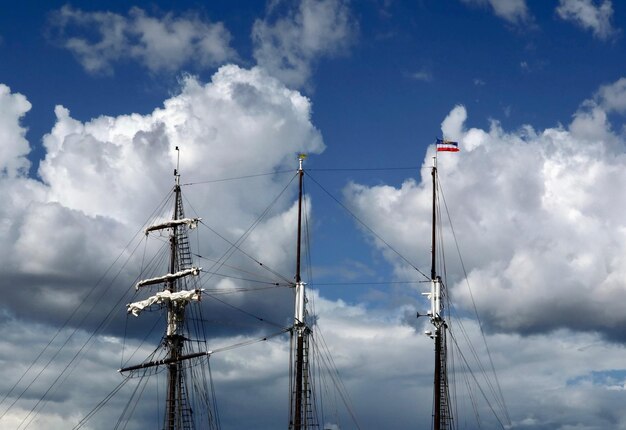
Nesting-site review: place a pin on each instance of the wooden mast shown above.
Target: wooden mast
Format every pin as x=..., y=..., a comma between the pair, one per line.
x=299, y=402
x=442, y=417
x=174, y=297
x=173, y=341
x=299, y=339
x=433, y=277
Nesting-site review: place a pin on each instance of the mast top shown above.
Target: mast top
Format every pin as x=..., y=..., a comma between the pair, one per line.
x=176, y=170
x=301, y=158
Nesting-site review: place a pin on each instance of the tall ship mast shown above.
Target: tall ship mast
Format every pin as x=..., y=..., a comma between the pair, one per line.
x=301, y=413
x=442, y=413
x=182, y=357
x=301, y=416
x=179, y=353
x=476, y=380
x=183, y=348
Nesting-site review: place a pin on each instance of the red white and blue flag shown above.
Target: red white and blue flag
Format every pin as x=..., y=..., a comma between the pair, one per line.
x=447, y=145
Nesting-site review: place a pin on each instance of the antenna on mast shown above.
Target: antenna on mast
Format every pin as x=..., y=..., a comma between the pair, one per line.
x=301, y=158
x=442, y=414
x=177, y=169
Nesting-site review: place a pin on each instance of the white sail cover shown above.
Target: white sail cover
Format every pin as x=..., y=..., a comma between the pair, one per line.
x=195, y=271
x=190, y=222
x=161, y=297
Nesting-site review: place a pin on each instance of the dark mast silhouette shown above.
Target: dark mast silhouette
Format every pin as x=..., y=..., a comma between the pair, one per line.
x=301, y=413
x=442, y=414
x=183, y=411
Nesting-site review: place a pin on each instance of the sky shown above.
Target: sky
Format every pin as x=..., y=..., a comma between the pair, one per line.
x=95, y=96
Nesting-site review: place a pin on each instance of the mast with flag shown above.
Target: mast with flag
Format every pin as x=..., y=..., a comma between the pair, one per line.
x=447, y=145
x=442, y=411
x=301, y=414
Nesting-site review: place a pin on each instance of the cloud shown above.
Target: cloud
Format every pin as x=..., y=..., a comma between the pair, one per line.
x=535, y=217
x=161, y=44
x=384, y=364
x=612, y=97
x=592, y=119
x=585, y=14
x=422, y=75
x=513, y=11
x=13, y=144
x=102, y=178
x=290, y=46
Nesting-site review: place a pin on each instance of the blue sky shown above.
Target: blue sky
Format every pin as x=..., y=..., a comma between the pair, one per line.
x=95, y=95
x=409, y=62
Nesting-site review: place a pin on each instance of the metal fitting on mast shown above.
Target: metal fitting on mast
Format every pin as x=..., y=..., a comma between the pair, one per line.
x=301, y=157
x=177, y=171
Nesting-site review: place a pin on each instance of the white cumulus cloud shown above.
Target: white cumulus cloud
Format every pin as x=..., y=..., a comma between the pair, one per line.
x=289, y=46
x=544, y=251
x=589, y=15
x=513, y=11
x=538, y=216
x=13, y=144
x=102, y=178
x=612, y=97
x=100, y=181
x=165, y=43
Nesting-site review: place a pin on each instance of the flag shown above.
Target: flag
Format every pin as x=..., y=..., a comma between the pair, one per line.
x=447, y=145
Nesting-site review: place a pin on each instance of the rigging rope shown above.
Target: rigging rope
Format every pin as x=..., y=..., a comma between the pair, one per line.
x=251, y=341
x=368, y=228
x=99, y=406
x=238, y=269
x=106, y=320
x=73, y=362
x=320, y=351
x=328, y=362
x=471, y=372
x=365, y=283
x=236, y=245
x=364, y=169
x=278, y=172
x=236, y=178
x=275, y=284
x=245, y=312
x=496, y=391
x=244, y=236
x=54, y=356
